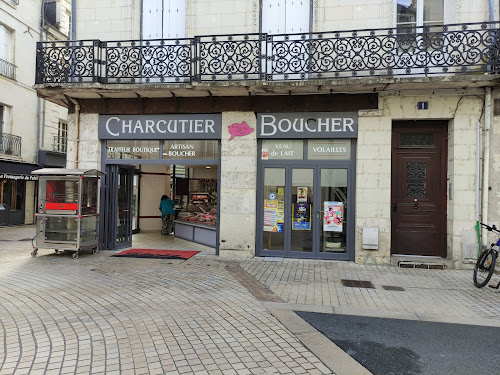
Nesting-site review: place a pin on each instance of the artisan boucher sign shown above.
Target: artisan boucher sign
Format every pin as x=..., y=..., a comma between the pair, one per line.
x=196, y=126
x=308, y=125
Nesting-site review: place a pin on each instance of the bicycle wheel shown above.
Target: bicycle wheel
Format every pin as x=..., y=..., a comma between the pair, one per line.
x=484, y=268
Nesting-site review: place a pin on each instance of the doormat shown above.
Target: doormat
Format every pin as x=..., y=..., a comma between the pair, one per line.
x=156, y=254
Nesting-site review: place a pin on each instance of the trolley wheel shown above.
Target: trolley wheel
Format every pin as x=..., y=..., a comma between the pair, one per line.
x=94, y=250
x=75, y=255
x=34, y=253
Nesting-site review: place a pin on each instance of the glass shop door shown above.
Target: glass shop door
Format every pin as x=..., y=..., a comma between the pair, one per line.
x=118, y=207
x=304, y=212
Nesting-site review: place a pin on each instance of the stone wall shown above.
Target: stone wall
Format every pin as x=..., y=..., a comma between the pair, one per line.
x=373, y=184
x=238, y=188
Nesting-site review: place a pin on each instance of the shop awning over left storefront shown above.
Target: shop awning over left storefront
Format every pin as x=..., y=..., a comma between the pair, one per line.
x=17, y=171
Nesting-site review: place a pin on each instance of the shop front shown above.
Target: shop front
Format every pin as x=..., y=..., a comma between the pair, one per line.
x=17, y=193
x=147, y=156
x=306, y=174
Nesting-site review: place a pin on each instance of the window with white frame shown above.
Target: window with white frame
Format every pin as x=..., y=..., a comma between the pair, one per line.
x=7, y=68
x=61, y=141
x=2, y=118
x=418, y=13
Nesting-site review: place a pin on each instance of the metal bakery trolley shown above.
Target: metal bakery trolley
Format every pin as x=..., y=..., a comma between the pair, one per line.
x=68, y=210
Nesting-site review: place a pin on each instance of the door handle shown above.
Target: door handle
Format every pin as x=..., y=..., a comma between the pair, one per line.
x=415, y=203
x=394, y=207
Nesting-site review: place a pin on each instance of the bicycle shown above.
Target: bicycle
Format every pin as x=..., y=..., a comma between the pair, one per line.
x=485, y=264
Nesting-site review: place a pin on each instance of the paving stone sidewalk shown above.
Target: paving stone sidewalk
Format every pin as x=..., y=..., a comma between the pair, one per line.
x=106, y=315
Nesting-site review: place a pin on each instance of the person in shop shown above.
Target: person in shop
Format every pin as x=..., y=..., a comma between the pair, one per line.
x=167, y=214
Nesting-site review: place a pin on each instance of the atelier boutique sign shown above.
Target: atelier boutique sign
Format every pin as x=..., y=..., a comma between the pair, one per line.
x=308, y=125
x=191, y=126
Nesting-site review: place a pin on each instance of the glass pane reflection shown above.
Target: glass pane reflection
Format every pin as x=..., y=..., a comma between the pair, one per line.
x=274, y=209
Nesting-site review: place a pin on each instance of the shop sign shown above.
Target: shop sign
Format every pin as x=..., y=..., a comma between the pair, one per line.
x=282, y=150
x=308, y=125
x=195, y=126
x=6, y=176
x=329, y=149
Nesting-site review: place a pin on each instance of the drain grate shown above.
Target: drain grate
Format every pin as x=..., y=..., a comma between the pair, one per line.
x=429, y=266
x=392, y=287
x=357, y=283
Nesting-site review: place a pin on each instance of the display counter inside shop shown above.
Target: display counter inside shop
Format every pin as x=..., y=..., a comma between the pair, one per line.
x=197, y=223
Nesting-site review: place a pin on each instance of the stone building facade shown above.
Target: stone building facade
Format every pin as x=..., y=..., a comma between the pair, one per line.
x=29, y=125
x=419, y=170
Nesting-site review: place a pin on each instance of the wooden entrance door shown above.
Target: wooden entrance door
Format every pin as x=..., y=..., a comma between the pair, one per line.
x=418, y=192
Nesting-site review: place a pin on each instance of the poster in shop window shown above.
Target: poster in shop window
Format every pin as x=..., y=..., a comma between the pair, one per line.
x=273, y=215
x=332, y=217
x=301, y=194
x=301, y=216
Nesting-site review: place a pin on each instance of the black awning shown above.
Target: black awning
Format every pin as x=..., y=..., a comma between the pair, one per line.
x=11, y=167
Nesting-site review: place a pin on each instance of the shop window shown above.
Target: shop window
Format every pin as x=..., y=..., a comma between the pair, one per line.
x=274, y=209
x=333, y=228
x=196, y=195
x=130, y=149
x=12, y=194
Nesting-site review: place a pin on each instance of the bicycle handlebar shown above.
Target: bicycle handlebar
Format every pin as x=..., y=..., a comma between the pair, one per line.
x=492, y=228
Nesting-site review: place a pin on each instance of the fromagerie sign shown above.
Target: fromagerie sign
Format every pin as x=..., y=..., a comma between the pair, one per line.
x=196, y=126
x=308, y=125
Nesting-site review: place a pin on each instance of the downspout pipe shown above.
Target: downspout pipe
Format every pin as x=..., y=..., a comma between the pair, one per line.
x=77, y=124
x=486, y=158
x=73, y=20
x=492, y=11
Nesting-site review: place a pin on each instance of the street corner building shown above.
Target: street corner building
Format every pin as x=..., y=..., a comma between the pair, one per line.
x=294, y=129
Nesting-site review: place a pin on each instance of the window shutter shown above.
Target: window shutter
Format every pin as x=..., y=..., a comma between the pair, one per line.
x=174, y=19
x=152, y=19
x=298, y=16
x=273, y=16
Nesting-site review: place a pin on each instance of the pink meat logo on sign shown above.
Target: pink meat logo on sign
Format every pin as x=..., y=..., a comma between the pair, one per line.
x=239, y=130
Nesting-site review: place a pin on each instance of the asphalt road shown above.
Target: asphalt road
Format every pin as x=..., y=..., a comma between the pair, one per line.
x=408, y=347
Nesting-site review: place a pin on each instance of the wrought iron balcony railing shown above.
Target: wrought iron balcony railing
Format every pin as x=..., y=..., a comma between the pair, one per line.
x=7, y=69
x=60, y=144
x=13, y=2
x=10, y=144
x=448, y=49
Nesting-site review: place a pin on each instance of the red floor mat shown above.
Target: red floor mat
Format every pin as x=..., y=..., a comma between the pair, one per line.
x=157, y=254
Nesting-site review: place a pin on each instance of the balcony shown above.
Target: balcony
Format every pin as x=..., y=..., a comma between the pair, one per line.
x=10, y=144
x=7, y=69
x=13, y=2
x=447, y=50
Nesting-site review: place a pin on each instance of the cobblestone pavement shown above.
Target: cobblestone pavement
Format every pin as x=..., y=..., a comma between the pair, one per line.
x=434, y=295
x=106, y=315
